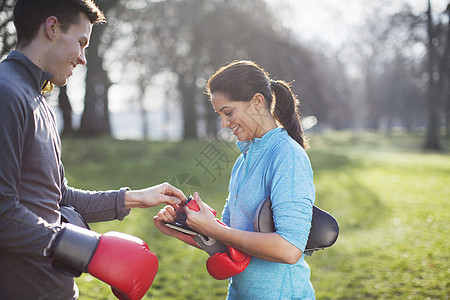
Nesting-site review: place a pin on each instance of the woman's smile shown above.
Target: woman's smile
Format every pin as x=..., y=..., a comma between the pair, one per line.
x=235, y=128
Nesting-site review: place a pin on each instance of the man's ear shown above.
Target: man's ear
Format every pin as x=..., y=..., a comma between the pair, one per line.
x=51, y=27
x=258, y=101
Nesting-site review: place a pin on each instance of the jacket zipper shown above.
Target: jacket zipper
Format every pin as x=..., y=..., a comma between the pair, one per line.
x=247, y=159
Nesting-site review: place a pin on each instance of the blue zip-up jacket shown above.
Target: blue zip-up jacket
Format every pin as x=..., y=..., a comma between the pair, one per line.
x=273, y=166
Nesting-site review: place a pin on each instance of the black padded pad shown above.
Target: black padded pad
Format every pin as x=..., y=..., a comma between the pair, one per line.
x=69, y=214
x=324, y=227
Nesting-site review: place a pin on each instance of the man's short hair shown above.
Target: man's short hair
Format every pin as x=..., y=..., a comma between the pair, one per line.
x=30, y=14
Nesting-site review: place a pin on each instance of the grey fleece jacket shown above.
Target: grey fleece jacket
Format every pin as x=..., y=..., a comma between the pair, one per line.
x=32, y=184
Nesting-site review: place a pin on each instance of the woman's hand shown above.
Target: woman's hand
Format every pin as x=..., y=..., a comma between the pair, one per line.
x=202, y=221
x=168, y=214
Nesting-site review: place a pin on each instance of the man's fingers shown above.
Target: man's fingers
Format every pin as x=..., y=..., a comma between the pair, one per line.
x=171, y=200
x=173, y=191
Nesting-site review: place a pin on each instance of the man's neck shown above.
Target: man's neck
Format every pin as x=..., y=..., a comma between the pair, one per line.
x=33, y=52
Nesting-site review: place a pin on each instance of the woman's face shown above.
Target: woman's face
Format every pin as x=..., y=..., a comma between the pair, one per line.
x=245, y=119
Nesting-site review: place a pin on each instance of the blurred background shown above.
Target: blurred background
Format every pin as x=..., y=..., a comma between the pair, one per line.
x=373, y=78
x=380, y=66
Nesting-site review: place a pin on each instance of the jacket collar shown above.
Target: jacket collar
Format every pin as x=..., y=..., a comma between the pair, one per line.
x=38, y=77
x=258, y=144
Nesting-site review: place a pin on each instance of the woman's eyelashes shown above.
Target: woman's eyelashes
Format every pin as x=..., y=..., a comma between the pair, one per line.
x=228, y=114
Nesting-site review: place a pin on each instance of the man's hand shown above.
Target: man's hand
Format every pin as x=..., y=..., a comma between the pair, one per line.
x=153, y=196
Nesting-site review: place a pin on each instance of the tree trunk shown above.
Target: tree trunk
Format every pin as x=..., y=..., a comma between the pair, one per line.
x=186, y=83
x=447, y=115
x=432, y=134
x=143, y=111
x=211, y=119
x=445, y=77
x=95, y=118
x=66, y=109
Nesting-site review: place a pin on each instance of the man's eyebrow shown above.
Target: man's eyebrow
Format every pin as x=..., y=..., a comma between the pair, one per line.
x=223, y=108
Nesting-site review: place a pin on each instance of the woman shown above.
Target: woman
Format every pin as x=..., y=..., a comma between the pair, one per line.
x=262, y=113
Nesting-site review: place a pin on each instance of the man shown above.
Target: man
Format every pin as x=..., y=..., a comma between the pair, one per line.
x=52, y=38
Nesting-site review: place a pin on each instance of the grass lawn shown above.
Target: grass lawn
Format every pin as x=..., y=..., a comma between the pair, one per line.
x=390, y=199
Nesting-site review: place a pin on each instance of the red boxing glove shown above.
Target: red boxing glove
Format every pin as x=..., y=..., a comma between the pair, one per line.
x=118, y=259
x=224, y=264
x=227, y=264
x=126, y=263
x=224, y=261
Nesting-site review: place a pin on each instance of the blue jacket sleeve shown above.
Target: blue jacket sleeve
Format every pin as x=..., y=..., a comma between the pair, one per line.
x=292, y=195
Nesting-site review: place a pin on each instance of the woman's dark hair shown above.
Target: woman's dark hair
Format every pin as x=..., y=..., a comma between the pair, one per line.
x=241, y=80
x=30, y=14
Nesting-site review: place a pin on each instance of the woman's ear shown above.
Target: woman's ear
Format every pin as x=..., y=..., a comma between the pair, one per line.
x=258, y=101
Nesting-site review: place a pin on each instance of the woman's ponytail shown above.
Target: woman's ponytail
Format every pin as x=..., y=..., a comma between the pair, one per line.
x=286, y=112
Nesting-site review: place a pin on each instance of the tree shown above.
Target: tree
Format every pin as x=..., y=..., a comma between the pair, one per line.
x=405, y=64
x=7, y=33
x=438, y=45
x=95, y=117
x=432, y=137
x=441, y=42
x=191, y=39
x=66, y=110
x=445, y=74
x=230, y=32
x=435, y=37
x=160, y=41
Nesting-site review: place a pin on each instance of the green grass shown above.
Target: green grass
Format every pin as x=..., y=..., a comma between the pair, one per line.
x=390, y=199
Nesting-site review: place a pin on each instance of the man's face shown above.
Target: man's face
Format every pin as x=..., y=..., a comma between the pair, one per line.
x=69, y=50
